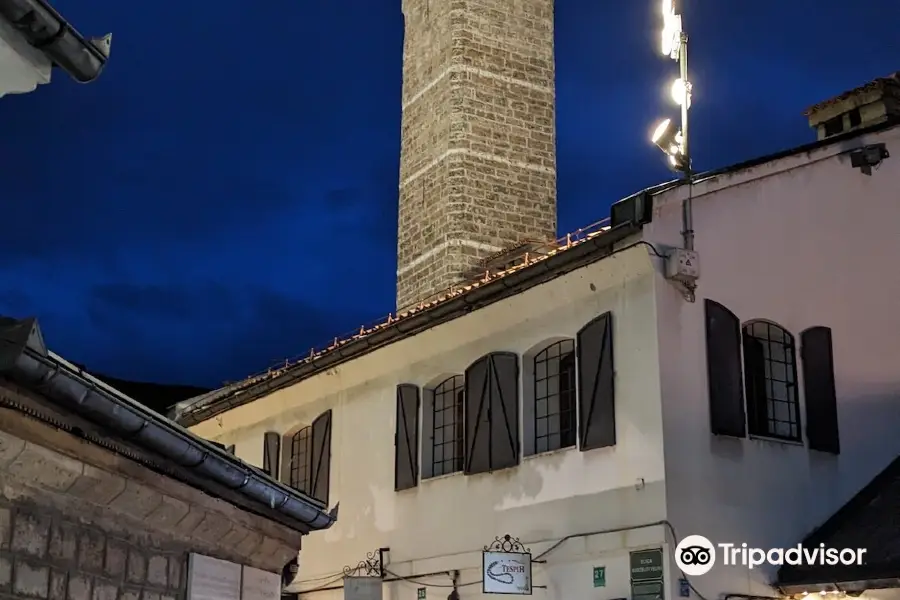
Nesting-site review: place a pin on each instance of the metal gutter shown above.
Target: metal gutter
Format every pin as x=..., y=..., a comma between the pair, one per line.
x=25, y=359
x=49, y=32
x=212, y=404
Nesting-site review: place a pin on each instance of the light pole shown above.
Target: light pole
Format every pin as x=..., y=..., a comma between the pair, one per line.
x=671, y=140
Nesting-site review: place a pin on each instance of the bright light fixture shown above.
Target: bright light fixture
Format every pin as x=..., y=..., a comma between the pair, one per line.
x=669, y=140
x=661, y=130
x=671, y=36
x=681, y=92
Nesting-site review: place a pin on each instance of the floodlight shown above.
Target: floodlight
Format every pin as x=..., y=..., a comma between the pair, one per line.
x=668, y=7
x=664, y=135
x=681, y=92
x=671, y=36
x=668, y=139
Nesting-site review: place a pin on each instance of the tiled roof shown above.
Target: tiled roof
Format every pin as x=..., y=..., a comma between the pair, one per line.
x=870, y=520
x=890, y=81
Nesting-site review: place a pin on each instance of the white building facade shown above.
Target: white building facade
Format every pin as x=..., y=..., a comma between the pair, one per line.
x=593, y=412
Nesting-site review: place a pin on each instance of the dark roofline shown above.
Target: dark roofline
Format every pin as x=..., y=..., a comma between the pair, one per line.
x=202, y=408
x=892, y=80
x=46, y=30
x=789, y=575
x=25, y=359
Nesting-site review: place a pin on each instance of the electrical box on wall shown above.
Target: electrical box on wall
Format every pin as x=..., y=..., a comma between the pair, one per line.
x=683, y=266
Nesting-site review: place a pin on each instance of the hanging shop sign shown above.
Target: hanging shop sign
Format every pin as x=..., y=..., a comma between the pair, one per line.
x=506, y=567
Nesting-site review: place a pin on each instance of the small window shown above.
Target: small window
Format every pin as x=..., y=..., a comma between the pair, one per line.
x=834, y=126
x=770, y=379
x=554, y=397
x=855, y=118
x=300, y=460
x=447, y=412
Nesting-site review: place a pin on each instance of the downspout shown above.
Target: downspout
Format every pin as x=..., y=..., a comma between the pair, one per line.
x=50, y=33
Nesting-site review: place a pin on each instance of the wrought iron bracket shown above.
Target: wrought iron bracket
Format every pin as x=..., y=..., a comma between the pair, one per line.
x=507, y=543
x=372, y=566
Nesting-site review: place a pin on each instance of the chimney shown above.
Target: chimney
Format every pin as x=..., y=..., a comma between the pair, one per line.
x=478, y=156
x=876, y=102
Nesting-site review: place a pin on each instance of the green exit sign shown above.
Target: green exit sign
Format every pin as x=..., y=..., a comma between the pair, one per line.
x=599, y=576
x=420, y=594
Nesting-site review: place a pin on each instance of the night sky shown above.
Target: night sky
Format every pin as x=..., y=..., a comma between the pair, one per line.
x=224, y=195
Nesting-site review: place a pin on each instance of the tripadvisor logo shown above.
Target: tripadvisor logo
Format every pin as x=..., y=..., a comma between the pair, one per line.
x=696, y=555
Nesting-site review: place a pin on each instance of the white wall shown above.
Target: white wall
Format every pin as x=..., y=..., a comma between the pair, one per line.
x=802, y=246
x=444, y=522
x=22, y=68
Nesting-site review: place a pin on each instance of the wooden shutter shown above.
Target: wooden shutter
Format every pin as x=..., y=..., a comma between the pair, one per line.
x=821, y=399
x=406, y=438
x=755, y=385
x=271, y=453
x=503, y=381
x=427, y=468
x=320, y=457
x=723, y=365
x=492, y=413
x=596, y=384
x=478, y=424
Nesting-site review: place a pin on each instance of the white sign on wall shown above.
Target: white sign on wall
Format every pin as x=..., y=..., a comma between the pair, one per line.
x=506, y=573
x=260, y=585
x=363, y=588
x=213, y=579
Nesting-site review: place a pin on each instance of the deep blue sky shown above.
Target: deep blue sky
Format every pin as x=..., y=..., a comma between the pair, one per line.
x=224, y=196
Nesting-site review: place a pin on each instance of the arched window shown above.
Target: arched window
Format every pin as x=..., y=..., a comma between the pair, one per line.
x=443, y=426
x=298, y=477
x=553, y=385
x=770, y=380
x=308, y=464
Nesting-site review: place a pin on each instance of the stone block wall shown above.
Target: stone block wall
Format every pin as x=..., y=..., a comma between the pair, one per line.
x=46, y=555
x=478, y=156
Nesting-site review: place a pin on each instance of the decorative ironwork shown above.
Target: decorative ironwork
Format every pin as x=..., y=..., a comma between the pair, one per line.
x=373, y=566
x=507, y=543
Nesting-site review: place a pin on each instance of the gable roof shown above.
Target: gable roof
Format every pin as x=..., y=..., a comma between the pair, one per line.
x=870, y=520
x=25, y=359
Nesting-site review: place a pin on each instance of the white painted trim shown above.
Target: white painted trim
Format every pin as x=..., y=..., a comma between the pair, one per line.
x=480, y=72
x=481, y=155
x=442, y=246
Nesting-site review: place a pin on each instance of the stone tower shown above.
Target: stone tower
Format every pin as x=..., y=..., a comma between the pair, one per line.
x=478, y=144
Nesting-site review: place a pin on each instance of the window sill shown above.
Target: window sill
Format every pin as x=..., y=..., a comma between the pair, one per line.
x=549, y=453
x=444, y=476
x=775, y=440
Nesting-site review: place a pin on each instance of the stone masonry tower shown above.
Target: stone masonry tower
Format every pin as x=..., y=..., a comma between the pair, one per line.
x=478, y=144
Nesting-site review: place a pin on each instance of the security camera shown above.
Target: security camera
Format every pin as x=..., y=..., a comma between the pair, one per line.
x=868, y=156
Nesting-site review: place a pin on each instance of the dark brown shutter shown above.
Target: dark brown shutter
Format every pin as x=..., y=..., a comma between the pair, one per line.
x=477, y=415
x=271, y=453
x=596, y=384
x=755, y=385
x=320, y=457
x=723, y=365
x=406, y=438
x=821, y=399
x=503, y=379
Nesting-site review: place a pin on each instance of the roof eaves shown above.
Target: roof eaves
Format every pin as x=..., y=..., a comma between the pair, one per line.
x=574, y=252
x=45, y=29
x=25, y=358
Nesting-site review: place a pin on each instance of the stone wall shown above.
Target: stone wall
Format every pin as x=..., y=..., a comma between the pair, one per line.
x=80, y=521
x=50, y=556
x=478, y=160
